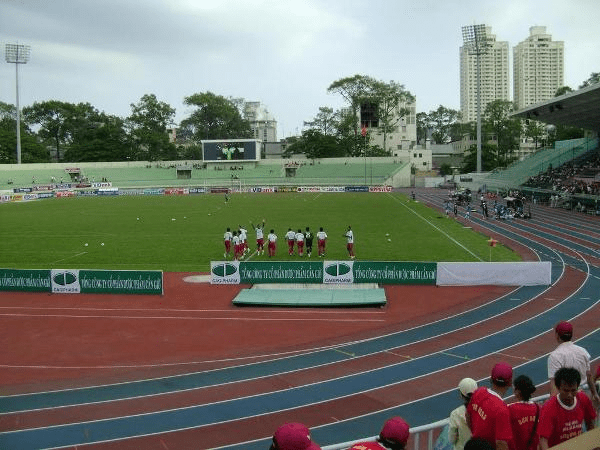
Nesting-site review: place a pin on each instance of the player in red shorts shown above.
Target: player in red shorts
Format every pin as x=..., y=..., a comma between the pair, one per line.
x=227, y=240
x=260, y=241
x=272, y=238
x=321, y=241
x=350, y=242
x=291, y=237
x=236, y=246
x=300, y=242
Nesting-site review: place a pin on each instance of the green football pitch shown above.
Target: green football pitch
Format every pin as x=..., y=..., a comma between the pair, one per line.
x=185, y=233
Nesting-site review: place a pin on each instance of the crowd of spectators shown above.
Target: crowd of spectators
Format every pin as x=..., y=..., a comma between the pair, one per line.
x=570, y=178
x=484, y=421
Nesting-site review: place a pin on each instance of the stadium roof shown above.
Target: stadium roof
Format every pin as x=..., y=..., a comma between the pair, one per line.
x=579, y=109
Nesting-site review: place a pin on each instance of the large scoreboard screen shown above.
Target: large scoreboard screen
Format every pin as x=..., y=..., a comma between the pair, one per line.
x=231, y=150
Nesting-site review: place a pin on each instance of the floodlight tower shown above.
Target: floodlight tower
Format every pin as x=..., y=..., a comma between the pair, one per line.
x=17, y=54
x=476, y=43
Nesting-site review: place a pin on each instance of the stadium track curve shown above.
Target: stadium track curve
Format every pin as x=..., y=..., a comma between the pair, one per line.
x=342, y=392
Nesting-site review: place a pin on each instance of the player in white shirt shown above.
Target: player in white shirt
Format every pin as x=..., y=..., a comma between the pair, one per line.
x=260, y=237
x=321, y=238
x=227, y=240
x=272, y=238
x=237, y=252
x=291, y=237
x=243, y=239
x=350, y=242
x=300, y=242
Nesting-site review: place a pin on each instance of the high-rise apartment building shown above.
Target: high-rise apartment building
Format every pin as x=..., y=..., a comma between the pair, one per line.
x=262, y=123
x=538, y=68
x=494, y=77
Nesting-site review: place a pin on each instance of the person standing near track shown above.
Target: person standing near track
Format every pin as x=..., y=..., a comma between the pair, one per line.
x=227, y=241
x=308, y=238
x=487, y=414
x=568, y=354
x=272, y=245
x=350, y=242
x=321, y=240
x=291, y=237
x=260, y=237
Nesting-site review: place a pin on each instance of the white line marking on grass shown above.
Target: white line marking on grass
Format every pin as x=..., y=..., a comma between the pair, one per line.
x=441, y=231
x=69, y=257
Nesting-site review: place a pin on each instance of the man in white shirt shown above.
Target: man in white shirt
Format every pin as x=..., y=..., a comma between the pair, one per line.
x=291, y=238
x=260, y=235
x=321, y=238
x=300, y=242
x=350, y=242
x=568, y=354
x=227, y=240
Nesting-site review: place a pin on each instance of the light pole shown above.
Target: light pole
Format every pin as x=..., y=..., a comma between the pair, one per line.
x=476, y=43
x=17, y=54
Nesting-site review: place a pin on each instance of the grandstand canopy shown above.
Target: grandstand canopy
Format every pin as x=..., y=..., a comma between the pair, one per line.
x=579, y=109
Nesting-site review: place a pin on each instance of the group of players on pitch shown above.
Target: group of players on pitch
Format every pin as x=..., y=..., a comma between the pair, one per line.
x=303, y=241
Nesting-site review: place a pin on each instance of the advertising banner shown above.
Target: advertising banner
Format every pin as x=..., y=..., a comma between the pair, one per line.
x=65, y=281
x=380, y=189
x=356, y=188
x=25, y=280
x=281, y=272
x=338, y=272
x=121, y=281
x=395, y=272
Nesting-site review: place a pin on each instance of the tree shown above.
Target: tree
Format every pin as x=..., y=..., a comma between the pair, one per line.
x=422, y=127
x=31, y=149
x=445, y=169
x=535, y=130
x=148, y=123
x=215, y=117
x=562, y=91
x=390, y=100
x=593, y=79
x=488, y=158
x=326, y=121
x=53, y=118
x=442, y=121
x=353, y=90
x=505, y=129
x=101, y=138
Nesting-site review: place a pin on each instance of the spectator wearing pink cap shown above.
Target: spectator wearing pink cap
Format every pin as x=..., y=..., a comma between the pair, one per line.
x=293, y=436
x=458, y=430
x=394, y=436
x=487, y=413
x=568, y=354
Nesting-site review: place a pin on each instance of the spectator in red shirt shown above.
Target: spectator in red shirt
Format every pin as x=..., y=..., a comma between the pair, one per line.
x=394, y=436
x=564, y=414
x=524, y=415
x=487, y=414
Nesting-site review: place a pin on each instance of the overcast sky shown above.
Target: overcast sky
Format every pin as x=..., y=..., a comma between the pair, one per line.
x=283, y=53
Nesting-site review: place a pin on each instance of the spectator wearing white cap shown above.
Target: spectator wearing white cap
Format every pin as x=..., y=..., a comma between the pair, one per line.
x=293, y=436
x=458, y=430
x=487, y=414
x=568, y=354
x=393, y=436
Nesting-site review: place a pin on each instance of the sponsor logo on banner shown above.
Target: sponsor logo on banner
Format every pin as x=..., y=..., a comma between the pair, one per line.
x=65, y=194
x=380, y=189
x=338, y=272
x=357, y=188
x=65, y=281
x=225, y=272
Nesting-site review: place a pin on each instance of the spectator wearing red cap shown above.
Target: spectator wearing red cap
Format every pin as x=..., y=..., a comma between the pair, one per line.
x=487, y=414
x=458, y=430
x=563, y=415
x=394, y=436
x=293, y=436
x=568, y=354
